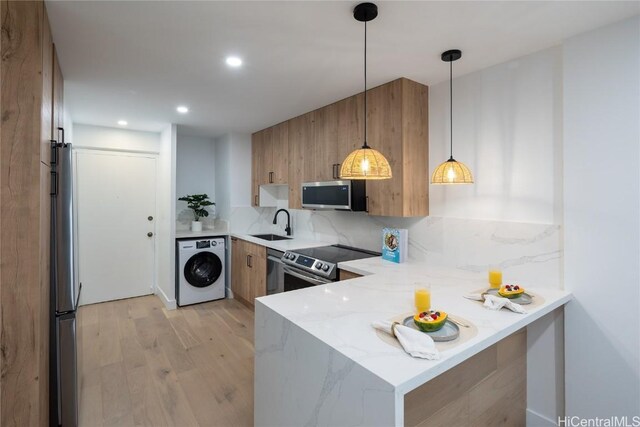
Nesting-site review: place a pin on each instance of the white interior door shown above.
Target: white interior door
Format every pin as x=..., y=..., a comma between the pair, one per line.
x=116, y=195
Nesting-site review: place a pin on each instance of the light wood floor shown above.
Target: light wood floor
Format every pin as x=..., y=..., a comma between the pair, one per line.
x=144, y=365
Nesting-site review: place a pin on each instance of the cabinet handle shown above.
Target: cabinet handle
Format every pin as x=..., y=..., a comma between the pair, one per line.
x=337, y=170
x=249, y=261
x=255, y=200
x=333, y=170
x=366, y=208
x=270, y=177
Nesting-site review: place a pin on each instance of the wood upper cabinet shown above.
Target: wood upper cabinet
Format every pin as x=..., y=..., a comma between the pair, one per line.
x=325, y=141
x=350, y=126
x=248, y=270
x=318, y=142
x=46, y=127
x=279, y=147
x=58, y=97
x=301, y=155
x=270, y=158
x=257, y=166
x=398, y=123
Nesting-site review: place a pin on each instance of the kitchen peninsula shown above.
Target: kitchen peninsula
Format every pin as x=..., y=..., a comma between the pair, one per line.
x=319, y=362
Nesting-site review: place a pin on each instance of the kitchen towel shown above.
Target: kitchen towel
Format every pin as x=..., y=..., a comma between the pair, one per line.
x=493, y=302
x=414, y=342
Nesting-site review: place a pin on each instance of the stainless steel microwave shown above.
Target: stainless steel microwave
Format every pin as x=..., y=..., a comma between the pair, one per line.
x=338, y=195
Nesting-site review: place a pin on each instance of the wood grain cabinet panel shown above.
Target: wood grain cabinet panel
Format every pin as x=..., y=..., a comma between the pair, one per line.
x=318, y=141
x=398, y=128
x=248, y=271
x=269, y=158
x=257, y=166
x=301, y=156
x=346, y=275
x=350, y=133
x=488, y=389
x=46, y=129
x=27, y=111
x=280, y=154
x=325, y=141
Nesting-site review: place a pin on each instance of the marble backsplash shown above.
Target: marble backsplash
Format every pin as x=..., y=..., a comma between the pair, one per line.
x=525, y=252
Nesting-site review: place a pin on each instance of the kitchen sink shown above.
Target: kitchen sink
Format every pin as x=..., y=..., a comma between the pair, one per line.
x=270, y=237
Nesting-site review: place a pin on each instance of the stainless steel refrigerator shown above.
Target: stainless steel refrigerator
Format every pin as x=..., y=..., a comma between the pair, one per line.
x=65, y=292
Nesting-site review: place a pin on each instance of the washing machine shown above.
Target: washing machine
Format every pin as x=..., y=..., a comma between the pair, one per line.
x=200, y=270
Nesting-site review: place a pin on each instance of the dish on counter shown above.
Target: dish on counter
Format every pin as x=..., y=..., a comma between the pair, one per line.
x=448, y=332
x=510, y=291
x=522, y=299
x=430, y=321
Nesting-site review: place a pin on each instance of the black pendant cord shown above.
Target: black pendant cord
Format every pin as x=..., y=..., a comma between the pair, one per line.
x=451, y=108
x=365, y=86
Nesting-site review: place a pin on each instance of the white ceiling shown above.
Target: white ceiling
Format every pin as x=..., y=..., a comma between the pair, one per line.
x=137, y=60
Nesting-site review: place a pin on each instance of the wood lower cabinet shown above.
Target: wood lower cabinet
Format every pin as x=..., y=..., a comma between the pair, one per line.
x=346, y=275
x=488, y=389
x=248, y=270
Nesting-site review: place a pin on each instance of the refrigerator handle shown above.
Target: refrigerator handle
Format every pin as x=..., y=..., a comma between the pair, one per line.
x=54, y=151
x=78, y=298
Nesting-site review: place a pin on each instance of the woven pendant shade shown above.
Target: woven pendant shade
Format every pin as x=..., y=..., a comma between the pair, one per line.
x=365, y=163
x=452, y=172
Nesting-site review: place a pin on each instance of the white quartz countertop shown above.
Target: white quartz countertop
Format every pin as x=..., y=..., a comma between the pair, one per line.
x=340, y=315
x=292, y=244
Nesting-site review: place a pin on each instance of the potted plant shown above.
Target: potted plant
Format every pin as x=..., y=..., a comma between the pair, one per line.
x=197, y=203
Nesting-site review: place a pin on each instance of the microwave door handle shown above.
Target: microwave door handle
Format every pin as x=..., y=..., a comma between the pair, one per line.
x=306, y=278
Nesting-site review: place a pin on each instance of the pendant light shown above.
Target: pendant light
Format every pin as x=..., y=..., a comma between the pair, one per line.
x=451, y=171
x=365, y=162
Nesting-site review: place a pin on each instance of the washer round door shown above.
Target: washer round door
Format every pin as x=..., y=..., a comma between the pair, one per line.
x=202, y=269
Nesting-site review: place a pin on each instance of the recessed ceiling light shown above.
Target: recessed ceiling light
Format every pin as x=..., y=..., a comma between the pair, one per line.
x=122, y=122
x=233, y=61
x=182, y=109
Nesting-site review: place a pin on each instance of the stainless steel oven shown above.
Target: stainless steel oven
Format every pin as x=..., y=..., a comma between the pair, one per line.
x=275, y=272
x=295, y=278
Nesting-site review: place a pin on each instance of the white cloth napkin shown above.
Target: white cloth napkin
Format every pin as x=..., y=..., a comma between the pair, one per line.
x=414, y=342
x=493, y=302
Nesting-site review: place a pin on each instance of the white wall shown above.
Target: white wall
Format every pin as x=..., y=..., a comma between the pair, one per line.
x=166, y=226
x=195, y=174
x=223, y=174
x=89, y=136
x=507, y=129
x=601, y=213
x=233, y=173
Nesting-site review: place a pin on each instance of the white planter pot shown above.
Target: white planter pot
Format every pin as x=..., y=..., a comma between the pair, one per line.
x=196, y=226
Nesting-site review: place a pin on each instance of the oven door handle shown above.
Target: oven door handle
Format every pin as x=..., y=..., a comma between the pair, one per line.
x=310, y=279
x=275, y=259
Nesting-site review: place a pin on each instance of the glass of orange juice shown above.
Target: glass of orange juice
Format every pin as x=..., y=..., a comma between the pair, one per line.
x=495, y=278
x=422, y=296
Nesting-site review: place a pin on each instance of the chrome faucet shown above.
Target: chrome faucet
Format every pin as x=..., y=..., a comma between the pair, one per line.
x=288, y=227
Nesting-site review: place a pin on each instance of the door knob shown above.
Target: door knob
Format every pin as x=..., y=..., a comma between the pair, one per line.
x=150, y=234
x=150, y=218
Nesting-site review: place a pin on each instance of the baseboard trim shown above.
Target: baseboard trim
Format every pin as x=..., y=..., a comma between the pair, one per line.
x=536, y=420
x=169, y=303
